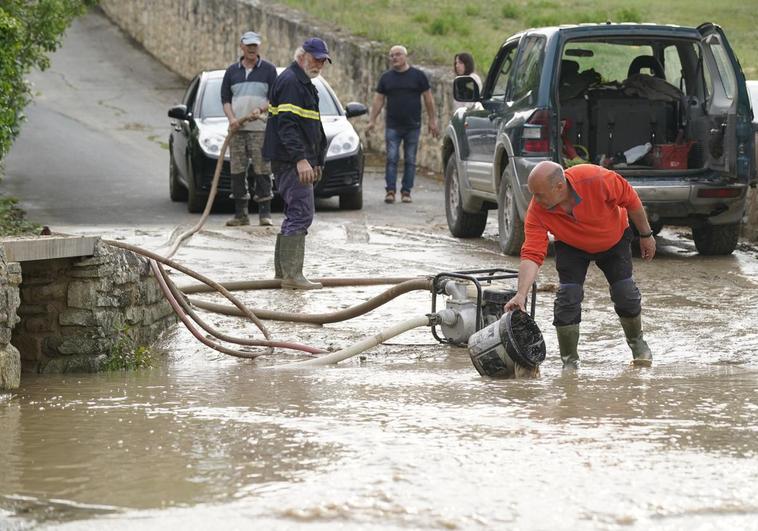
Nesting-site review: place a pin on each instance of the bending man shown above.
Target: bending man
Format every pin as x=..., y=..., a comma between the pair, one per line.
x=586, y=208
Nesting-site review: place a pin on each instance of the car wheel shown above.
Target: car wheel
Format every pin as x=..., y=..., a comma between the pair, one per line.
x=716, y=239
x=352, y=201
x=195, y=200
x=462, y=224
x=509, y=223
x=176, y=190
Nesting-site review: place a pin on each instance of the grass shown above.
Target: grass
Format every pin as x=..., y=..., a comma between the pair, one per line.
x=434, y=30
x=12, y=222
x=126, y=354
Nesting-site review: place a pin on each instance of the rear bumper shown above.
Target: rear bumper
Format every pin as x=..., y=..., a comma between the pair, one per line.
x=677, y=201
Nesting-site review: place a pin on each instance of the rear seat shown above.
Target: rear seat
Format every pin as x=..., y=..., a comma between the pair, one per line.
x=620, y=122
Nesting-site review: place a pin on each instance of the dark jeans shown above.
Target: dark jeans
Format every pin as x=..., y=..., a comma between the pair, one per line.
x=299, y=205
x=409, y=138
x=616, y=265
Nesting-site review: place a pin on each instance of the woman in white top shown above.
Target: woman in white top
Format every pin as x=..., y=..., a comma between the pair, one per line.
x=463, y=65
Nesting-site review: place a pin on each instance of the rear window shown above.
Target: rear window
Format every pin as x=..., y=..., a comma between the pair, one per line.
x=724, y=66
x=610, y=60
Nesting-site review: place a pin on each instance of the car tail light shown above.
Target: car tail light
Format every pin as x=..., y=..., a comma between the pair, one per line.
x=536, y=133
x=722, y=193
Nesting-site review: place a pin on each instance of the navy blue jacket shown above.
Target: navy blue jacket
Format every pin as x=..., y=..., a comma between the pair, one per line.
x=294, y=131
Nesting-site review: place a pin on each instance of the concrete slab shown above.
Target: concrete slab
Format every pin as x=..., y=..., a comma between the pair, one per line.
x=24, y=249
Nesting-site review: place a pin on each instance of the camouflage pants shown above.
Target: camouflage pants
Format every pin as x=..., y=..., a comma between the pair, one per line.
x=244, y=152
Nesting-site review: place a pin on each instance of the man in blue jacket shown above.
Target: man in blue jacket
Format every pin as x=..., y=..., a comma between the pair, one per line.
x=295, y=144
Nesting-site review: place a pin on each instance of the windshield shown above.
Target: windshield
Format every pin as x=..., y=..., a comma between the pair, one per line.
x=211, y=106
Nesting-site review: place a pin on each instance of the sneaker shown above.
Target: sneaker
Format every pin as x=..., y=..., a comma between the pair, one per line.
x=407, y=197
x=238, y=222
x=390, y=197
x=266, y=221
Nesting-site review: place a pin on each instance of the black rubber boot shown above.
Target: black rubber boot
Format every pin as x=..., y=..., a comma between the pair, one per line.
x=264, y=213
x=633, y=331
x=239, y=193
x=291, y=256
x=568, y=340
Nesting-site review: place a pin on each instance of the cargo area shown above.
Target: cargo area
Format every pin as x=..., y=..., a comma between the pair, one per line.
x=632, y=106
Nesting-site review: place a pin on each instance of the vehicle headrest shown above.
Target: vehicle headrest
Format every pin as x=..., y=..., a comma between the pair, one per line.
x=646, y=61
x=569, y=69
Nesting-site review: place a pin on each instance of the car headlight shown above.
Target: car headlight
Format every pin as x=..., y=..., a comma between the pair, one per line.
x=211, y=144
x=344, y=143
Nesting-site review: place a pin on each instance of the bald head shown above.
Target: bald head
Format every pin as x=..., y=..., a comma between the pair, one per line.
x=547, y=183
x=546, y=171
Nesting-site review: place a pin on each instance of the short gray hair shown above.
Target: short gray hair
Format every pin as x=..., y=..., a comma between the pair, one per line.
x=299, y=53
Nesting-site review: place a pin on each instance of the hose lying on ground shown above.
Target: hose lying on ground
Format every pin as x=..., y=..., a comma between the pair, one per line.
x=361, y=346
x=182, y=309
x=275, y=283
x=423, y=284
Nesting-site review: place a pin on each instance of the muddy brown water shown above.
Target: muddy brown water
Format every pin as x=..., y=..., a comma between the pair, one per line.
x=408, y=435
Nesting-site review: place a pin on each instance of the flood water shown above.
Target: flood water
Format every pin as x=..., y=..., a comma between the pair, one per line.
x=407, y=436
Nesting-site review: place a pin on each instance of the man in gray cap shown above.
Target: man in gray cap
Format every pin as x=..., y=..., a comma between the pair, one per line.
x=245, y=93
x=296, y=146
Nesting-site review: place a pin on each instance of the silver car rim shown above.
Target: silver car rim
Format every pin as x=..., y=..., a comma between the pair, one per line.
x=507, y=209
x=454, y=198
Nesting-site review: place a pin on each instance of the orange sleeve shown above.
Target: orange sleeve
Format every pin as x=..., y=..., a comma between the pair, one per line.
x=620, y=192
x=535, y=238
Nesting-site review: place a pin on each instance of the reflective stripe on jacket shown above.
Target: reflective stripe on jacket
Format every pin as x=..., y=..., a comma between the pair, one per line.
x=294, y=130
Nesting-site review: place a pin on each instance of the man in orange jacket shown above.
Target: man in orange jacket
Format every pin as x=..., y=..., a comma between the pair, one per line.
x=586, y=208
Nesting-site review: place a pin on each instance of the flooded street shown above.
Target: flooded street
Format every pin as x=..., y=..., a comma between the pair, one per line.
x=407, y=435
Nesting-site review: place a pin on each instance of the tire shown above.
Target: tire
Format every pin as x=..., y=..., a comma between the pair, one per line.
x=462, y=224
x=509, y=223
x=195, y=200
x=352, y=201
x=176, y=190
x=713, y=240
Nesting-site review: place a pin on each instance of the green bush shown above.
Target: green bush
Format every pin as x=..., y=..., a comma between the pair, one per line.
x=29, y=30
x=12, y=222
x=126, y=354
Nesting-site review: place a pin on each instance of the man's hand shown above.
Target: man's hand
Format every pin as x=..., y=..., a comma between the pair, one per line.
x=647, y=248
x=434, y=129
x=305, y=172
x=254, y=115
x=370, y=128
x=234, y=125
x=318, y=171
x=517, y=302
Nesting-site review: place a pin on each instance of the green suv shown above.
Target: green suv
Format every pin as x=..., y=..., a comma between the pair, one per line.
x=664, y=106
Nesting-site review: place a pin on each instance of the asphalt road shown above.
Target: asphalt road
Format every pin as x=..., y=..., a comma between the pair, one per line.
x=93, y=154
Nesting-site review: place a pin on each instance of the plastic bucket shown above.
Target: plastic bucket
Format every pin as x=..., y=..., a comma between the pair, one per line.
x=671, y=156
x=514, y=339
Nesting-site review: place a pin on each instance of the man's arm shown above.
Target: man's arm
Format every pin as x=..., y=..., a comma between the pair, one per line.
x=431, y=112
x=234, y=124
x=647, y=244
x=527, y=274
x=376, y=108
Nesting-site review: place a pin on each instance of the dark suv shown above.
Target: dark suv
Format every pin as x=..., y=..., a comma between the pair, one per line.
x=664, y=106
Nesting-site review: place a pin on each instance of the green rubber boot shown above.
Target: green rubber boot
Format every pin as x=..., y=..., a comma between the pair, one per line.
x=633, y=331
x=568, y=340
x=277, y=258
x=291, y=256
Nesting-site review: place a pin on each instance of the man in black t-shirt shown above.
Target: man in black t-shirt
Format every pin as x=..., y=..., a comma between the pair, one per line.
x=402, y=87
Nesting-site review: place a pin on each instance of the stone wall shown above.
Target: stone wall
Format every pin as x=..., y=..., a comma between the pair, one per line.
x=10, y=361
x=190, y=36
x=71, y=311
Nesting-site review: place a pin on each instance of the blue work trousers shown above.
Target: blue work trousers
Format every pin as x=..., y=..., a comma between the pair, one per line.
x=409, y=138
x=299, y=204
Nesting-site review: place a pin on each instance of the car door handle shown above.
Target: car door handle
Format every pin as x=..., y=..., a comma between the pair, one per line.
x=494, y=117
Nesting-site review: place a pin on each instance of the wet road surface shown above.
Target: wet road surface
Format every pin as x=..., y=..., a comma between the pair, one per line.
x=407, y=436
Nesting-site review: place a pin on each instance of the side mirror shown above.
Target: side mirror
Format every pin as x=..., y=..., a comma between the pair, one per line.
x=179, y=112
x=354, y=109
x=465, y=89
